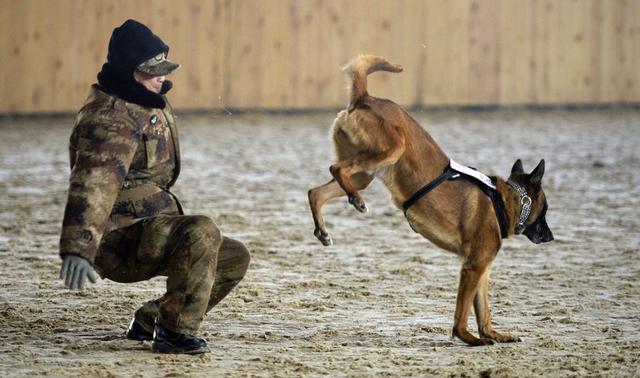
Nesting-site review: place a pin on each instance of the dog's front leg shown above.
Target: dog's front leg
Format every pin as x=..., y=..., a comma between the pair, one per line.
x=483, y=313
x=344, y=170
x=470, y=276
x=320, y=195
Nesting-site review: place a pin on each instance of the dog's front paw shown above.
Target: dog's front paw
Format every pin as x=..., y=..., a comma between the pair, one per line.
x=323, y=236
x=358, y=203
x=468, y=338
x=482, y=342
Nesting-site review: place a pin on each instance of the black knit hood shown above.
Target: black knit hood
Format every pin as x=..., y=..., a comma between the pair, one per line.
x=131, y=44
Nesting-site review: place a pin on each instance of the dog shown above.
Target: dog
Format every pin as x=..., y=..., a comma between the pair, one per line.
x=375, y=137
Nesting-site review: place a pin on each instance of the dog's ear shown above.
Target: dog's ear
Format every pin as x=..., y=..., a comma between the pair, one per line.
x=535, y=177
x=517, y=167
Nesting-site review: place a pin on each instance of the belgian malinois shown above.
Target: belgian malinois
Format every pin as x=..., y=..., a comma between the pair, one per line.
x=375, y=137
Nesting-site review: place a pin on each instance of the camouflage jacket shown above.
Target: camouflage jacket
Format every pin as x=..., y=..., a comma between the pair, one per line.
x=124, y=158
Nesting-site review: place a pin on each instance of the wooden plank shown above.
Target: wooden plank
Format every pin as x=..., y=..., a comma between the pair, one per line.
x=331, y=45
x=595, y=46
x=578, y=55
x=483, y=52
x=515, y=56
x=607, y=48
x=276, y=40
x=434, y=56
x=58, y=63
x=413, y=52
x=618, y=53
x=631, y=42
x=35, y=45
x=244, y=55
x=199, y=83
x=536, y=62
x=544, y=51
x=10, y=14
x=457, y=64
x=384, y=34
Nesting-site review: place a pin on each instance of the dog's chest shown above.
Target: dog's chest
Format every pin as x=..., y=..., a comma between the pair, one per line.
x=388, y=177
x=383, y=173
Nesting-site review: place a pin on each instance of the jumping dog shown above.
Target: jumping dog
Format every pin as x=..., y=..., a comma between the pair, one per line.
x=375, y=137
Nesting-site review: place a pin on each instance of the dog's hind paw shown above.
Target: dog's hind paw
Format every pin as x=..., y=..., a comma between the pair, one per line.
x=358, y=203
x=323, y=236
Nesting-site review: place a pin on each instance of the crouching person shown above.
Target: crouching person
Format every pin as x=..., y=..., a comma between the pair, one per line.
x=121, y=218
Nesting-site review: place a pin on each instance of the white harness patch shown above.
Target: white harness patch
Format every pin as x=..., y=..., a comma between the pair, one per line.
x=472, y=172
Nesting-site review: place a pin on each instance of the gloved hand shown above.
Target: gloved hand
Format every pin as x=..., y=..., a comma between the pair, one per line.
x=75, y=271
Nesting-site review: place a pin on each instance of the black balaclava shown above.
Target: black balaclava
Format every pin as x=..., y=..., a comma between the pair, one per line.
x=131, y=44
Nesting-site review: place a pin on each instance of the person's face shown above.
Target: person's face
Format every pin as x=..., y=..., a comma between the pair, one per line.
x=152, y=83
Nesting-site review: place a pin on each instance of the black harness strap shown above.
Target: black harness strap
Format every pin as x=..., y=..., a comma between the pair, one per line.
x=451, y=174
x=498, y=206
x=446, y=175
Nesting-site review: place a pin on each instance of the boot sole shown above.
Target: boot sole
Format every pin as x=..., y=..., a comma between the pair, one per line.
x=159, y=348
x=139, y=338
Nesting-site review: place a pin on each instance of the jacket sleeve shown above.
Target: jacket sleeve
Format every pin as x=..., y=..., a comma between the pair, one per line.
x=104, y=149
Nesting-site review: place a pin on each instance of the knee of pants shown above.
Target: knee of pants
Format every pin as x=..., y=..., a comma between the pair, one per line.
x=241, y=258
x=245, y=258
x=202, y=234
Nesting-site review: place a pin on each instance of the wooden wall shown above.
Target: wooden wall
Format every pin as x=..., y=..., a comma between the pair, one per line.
x=287, y=53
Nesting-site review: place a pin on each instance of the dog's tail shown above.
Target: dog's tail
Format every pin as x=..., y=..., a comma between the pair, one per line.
x=360, y=67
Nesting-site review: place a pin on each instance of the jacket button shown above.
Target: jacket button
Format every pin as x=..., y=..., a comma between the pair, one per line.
x=85, y=235
x=153, y=119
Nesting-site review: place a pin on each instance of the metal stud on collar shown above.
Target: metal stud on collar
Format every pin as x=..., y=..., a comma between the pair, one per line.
x=525, y=203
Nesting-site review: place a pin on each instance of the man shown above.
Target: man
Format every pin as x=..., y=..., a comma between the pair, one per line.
x=121, y=218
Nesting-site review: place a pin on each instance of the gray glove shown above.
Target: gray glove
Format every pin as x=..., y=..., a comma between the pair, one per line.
x=75, y=271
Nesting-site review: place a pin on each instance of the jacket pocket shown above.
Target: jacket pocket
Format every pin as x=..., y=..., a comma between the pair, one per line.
x=150, y=150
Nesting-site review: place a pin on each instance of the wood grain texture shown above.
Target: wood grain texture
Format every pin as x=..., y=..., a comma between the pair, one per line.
x=287, y=54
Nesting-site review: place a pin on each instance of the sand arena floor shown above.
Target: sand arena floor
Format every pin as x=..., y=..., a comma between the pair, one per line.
x=378, y=302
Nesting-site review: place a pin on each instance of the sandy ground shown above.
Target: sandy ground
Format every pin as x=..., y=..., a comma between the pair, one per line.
x=378, y=302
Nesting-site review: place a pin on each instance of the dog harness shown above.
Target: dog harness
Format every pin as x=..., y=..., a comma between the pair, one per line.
x=453, y=171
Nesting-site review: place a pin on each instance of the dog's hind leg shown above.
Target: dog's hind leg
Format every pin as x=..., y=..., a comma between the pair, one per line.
x=483, y=313
x=320, y=195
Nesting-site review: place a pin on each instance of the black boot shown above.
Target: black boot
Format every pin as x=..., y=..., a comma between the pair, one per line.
x=167, y=341
x=138, y=332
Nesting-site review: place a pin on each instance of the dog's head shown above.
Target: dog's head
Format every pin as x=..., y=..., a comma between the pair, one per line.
x=535, y=227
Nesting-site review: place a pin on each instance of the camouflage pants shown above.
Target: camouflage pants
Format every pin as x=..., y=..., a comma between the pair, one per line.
x=201, y=266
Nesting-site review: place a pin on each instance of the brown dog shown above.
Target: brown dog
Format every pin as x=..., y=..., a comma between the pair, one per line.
x=376, y=138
